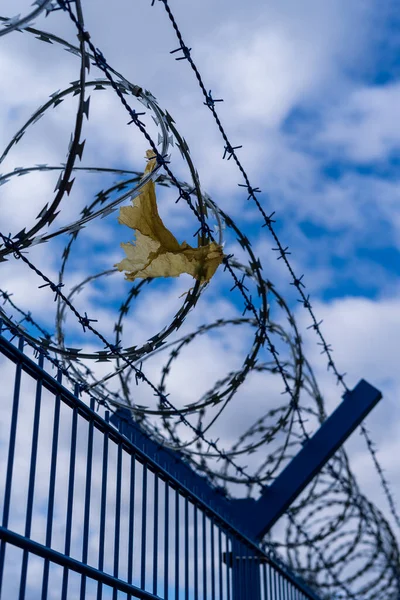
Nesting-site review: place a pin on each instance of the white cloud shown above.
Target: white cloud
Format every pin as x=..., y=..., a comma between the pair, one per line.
x=265, y=61
x=364, y=128
x=364, y=336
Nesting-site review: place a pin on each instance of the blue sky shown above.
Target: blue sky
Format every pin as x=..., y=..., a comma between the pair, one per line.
x=311, y=90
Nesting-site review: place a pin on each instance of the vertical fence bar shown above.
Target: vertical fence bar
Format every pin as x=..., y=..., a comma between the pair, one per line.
x=144, y=528
x=166, y=541
x=103, y=507
x=204, y=558
x=52, y=485
x=186, y=548
x=176, y=544
x=212, y=559
x=155, y=538
x=10, y=459
x=131, y=526
x=270, y=583
x=256, y=577
x=237, y=570
x=254, y=569
x=228, y=583
x=264, y=572
x=236, y=578
x=117, y=511
x=32, y=473
x=70, y=499
x=248, y=574
x=242, y=571
x=220, y=561
x=89, y=466
x=196, y=554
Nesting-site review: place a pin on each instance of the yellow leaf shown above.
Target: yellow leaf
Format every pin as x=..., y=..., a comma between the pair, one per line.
x=156, y=252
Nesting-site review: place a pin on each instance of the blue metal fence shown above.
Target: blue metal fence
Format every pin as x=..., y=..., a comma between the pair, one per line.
x=94, y=508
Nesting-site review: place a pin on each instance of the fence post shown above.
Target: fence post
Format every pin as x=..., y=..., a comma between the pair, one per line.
x=246, y=580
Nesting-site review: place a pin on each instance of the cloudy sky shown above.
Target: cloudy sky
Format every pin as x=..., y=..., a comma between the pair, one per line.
x=311, y=92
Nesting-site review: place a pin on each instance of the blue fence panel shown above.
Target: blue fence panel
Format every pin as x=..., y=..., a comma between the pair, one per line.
x=92, y=508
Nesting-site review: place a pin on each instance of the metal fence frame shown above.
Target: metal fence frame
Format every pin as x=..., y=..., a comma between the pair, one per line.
x=229, y=566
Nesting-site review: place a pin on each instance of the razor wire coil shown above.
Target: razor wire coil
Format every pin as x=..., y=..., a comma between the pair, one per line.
x=357, y=533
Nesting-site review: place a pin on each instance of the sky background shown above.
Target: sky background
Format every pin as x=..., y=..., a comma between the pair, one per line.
x=311, y=90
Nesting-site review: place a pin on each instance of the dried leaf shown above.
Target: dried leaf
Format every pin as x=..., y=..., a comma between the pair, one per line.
x=156, y=252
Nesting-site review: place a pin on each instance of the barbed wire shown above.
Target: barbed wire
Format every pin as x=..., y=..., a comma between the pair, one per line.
x=321, y=495
x=280, y=431
x=162, y=160
x=230, y=152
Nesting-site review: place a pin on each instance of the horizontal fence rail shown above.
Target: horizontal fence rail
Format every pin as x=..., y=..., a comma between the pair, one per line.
x=92, y=508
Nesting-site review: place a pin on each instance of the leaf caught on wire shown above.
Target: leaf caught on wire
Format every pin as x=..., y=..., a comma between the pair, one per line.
x=156, y=252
